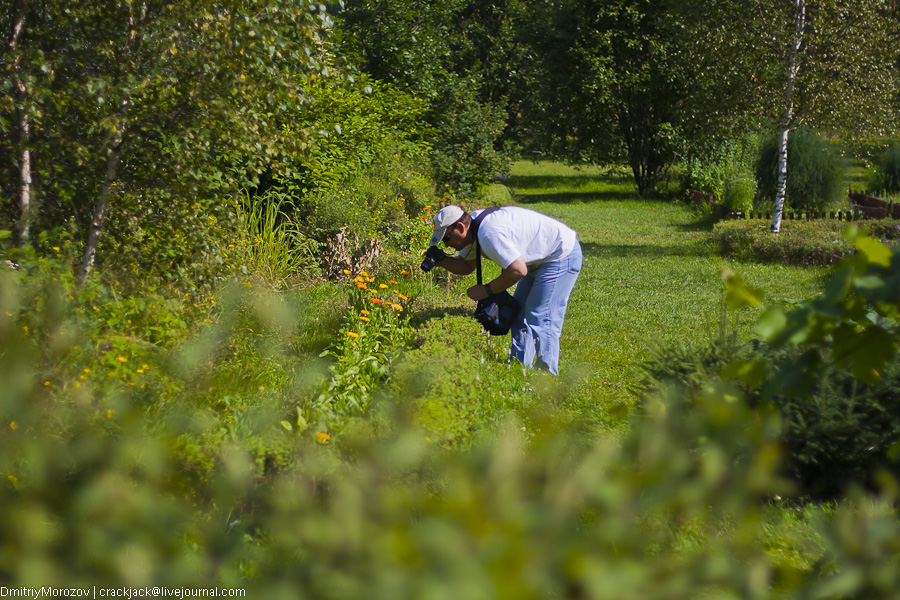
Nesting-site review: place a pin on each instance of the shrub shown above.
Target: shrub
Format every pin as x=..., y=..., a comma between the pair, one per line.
x=887, y=170
x=815, y=242
x=464, y=155
x=726, y=171
x=815, y=172
x=740, y=189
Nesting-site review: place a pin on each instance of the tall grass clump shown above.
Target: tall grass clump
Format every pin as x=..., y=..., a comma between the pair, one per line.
x=815, y=175
x=276, y=248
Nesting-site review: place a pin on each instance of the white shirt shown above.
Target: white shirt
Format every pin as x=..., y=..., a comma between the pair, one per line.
x=512, y=231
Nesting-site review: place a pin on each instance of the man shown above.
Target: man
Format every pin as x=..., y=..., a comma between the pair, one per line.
x=540, y=254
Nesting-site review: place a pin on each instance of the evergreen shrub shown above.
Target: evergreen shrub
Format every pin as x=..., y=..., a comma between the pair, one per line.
x=837, y=434
x=815, y=172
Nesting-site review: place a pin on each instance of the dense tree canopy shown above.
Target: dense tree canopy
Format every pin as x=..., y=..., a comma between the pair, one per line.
x=128, y=97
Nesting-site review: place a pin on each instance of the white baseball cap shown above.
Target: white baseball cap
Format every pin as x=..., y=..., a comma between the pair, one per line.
x=443, y=219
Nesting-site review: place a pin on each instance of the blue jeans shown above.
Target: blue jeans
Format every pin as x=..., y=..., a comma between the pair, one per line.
x=543, y=295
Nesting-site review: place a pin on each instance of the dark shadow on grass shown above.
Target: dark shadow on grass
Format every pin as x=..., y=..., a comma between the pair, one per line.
x=573, y=197
x=419, y=318
x=602, y=251
x=566, y=181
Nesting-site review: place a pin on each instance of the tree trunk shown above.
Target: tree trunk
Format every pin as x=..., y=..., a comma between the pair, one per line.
x=25, y=200
x=20, y=91
x=793, y=66
x=102, y=203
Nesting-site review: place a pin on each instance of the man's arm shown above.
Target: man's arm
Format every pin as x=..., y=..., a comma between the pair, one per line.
x=507, y=278
x=456, y=265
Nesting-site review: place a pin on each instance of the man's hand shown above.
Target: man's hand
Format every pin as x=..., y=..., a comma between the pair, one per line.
x=477, y=292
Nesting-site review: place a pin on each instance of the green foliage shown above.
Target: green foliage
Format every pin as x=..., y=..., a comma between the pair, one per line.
x=379, y=203
x=724, y=171
x=887, y=170
x=815, y=173
x=375, y=329
x=465, y=157
x=277, y=250
x=355, y=125
x=817, y=242
x=164, y=240
x=837, y=433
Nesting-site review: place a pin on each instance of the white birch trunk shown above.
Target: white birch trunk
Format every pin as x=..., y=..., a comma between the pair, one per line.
x=793, y=66
x=25, y=199
x=25, y=205
x=112, y=162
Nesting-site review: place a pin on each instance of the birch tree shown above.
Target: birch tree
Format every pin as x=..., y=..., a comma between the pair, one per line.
x=153, y=93
x=826, y=63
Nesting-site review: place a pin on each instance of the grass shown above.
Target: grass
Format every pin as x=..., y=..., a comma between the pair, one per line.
x=651, y=278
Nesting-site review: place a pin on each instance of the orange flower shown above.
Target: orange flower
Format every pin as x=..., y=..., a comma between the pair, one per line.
x=363, y=312
x=365, y=319
x=383, y=286
x=375, y=300
x=397, y=307
x=394, y=282
x=322, y=437
x=402, y=297
x=353, y=334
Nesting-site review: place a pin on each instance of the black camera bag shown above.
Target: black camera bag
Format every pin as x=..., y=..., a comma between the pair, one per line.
x=497, y=312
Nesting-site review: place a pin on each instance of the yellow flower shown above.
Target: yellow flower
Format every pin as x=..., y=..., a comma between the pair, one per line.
x=46, y=383
x=322, y=437
x=56, y=248
x=404, y=272
x=366, y=319
x=397, y=307
x=13, y=425
x=145, y=367
x=353, y=334
x=140, y=370
x=363, y=312
x=121, y=359
x=402, y=297
x=361, y=286
x=363, y=273
x=110, y=413
x=382, y=286
x=346, y=272
x=87, y=369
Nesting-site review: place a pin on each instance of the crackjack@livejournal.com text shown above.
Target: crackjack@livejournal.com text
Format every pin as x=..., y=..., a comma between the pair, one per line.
x=128, y=593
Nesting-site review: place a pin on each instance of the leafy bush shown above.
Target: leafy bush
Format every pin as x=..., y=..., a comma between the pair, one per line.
x=815, y=175
x=726, y=171
x=740, y=189
x=887, y=170
x=464, y=155
x=355, y=124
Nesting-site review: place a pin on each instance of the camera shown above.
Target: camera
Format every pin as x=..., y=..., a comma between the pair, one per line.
x=432, y=255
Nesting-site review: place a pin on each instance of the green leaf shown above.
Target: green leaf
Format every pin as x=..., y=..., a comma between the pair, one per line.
x=739, y=295
x=772, y=323
x=750, y=372
x=876, y=252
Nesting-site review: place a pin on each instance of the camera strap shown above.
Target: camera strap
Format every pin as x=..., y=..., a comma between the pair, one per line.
x=475, y=223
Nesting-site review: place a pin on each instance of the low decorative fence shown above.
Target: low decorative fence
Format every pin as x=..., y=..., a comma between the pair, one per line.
x=862, y=207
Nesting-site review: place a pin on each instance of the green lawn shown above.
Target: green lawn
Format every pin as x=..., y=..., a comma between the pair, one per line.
x=650, y=277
